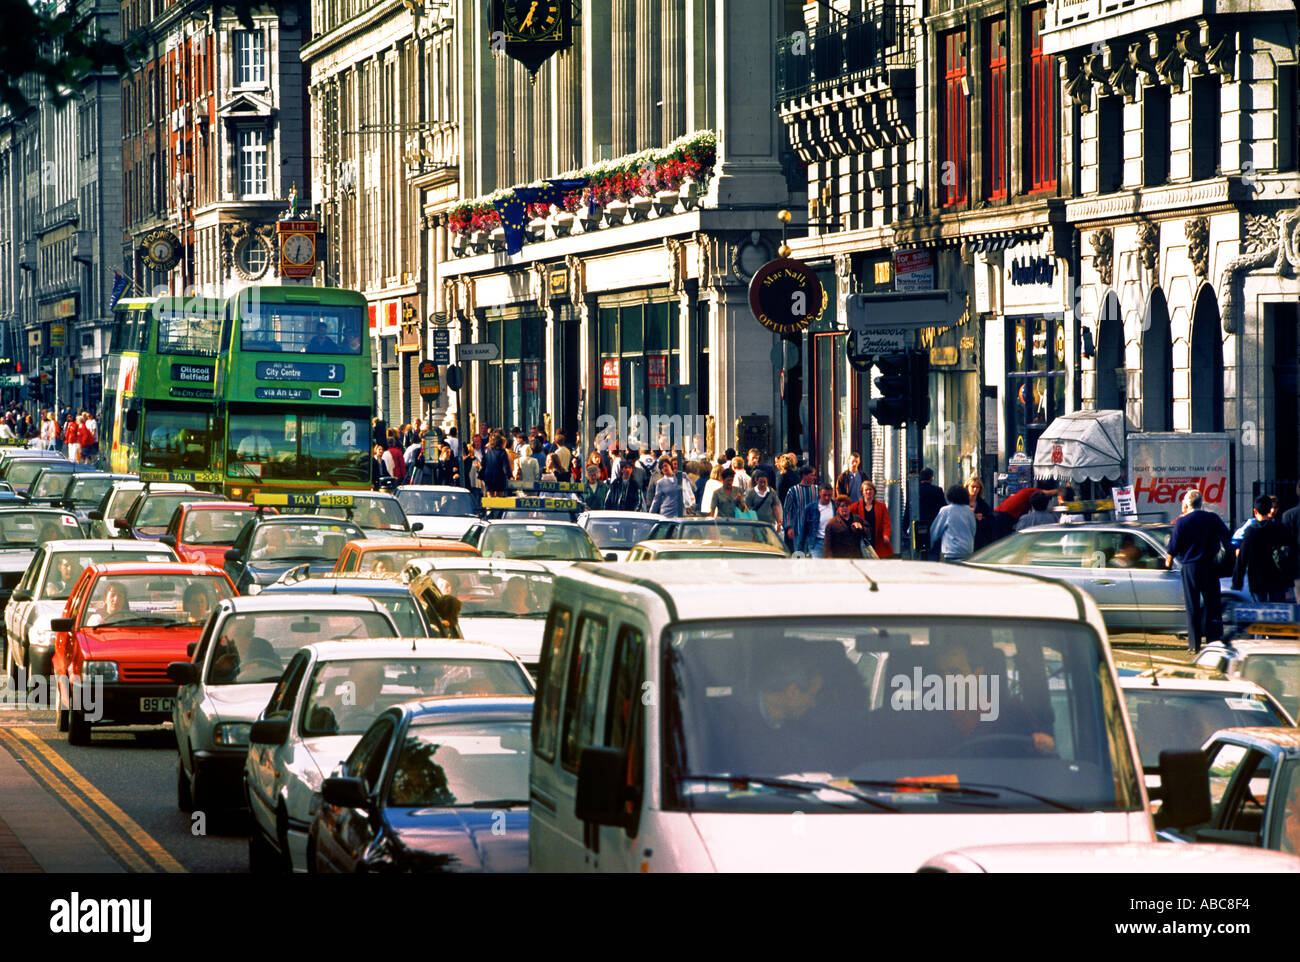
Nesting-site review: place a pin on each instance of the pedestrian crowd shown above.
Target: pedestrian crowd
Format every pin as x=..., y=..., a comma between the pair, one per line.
x=74, y=433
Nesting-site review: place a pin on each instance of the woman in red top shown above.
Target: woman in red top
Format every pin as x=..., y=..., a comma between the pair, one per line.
x=879, y=527
x=72, y=440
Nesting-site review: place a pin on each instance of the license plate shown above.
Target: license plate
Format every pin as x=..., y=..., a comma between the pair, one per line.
x=156, y=704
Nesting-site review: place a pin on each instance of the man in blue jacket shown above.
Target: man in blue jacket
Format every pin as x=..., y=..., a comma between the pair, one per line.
x=1197, y=538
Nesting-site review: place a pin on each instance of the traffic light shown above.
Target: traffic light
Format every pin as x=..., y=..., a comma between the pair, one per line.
x=33, y=391
x=891, y=409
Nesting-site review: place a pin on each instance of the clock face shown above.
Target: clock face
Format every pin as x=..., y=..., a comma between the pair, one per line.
x=299, y=248
x=161, y=250
x=533, y=20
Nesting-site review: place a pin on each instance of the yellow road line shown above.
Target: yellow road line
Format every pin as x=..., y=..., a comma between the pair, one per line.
x=125, y=824
x=147, y=842
x=95, y=824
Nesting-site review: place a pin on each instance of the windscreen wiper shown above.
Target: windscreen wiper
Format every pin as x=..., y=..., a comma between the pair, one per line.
x=965, y=788
x=495, y=803
x=792, y=784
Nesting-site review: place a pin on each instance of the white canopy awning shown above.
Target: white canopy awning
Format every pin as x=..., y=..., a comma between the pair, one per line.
x=1083, y=445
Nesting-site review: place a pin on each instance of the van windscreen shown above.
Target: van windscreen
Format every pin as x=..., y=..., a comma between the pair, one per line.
x=915, y=715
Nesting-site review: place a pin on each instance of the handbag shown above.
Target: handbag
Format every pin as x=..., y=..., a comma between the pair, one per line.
x=746, y=515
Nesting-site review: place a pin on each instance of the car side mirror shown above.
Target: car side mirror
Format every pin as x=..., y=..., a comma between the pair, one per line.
x=234, y=554
x=121, y=524
x=345, y=792
x=61, y=624
x=169, y=540
x=96, y=516
x=273, y=731
x=21, y=594
x=418, y=526
x=183, y=672
x=1184, y=790
x=611, y=556
x=191, y=648
x=602, y=787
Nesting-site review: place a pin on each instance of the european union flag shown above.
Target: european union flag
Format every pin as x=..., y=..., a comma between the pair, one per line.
x=512, y=211
x=119, y=288
x=552, y=192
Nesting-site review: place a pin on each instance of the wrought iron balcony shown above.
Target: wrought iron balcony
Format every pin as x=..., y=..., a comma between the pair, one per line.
x=862, y=48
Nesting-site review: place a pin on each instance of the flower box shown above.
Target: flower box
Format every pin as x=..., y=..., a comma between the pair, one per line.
x=615, y=213
x=639, y=207
x=563, y=223
x=665, y=202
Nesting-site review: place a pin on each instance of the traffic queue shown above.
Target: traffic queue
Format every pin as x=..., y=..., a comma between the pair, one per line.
x=526, y=684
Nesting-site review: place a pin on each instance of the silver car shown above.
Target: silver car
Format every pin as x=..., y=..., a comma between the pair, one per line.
x=234, y=669
x=1271, y=663
x=1121, y=565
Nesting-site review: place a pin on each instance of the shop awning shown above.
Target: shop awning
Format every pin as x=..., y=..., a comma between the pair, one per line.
x=1082, y=446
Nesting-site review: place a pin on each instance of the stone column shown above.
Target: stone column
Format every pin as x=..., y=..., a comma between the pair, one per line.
x=566, y=84
x=623, y=76
x=521, y=166
x=543, y=132
x=648, y=95
x=740, y=379
x=748, y=168
x=672, y=57
x=504, y=121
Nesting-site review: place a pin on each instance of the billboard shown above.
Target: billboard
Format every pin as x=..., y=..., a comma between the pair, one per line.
x=1162, y=467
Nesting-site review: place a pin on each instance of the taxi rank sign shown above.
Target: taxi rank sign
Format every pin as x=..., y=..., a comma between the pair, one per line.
x=786, y=296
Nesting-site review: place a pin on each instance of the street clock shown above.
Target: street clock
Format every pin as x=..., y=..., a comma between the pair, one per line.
x=160, y=250
x=532, y=30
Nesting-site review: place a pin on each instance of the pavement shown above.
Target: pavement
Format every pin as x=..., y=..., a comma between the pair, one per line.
x=36, y=836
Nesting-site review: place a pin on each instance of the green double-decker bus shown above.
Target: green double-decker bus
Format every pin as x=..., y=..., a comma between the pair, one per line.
x=161, y=411
x=297, y=391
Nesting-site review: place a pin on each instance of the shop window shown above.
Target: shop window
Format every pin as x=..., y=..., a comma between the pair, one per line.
x=1035, y=379
x=995, y=108
x=954, y=123
x=1041, y=106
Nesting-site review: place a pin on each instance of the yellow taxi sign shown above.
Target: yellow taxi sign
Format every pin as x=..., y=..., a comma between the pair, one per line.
x=1087, y=507
x=534, y=504
x=191, y=477
x=295, y=500
x=1263, y=628
x=543, y=486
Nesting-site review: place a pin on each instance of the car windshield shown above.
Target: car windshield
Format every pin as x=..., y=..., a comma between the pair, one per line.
x=1166, y=719
x=157, y=509
x=344, y=697
x=66, y=567
x=52, y=484
x=254, y=647
x=154, y=600
x=1278, y=674
x=722, y=531
x=27, y=529
x=302, y=541
x=20, y=473
x=384, y=514
x=405, y=613
x=619, y=533
x=538, y=541
x=446, y=765
x=457, y=504
x=215, y=526
x=485, y=593
x=391, y=561
x=89, y=490
x=918, y=715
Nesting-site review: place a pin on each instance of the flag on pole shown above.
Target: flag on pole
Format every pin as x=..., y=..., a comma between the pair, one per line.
x=512, y=212
x=119, y=288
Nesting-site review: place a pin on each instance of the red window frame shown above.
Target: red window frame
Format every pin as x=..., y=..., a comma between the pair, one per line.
x=1041, y=109
x=995, y=106
x=954, y=122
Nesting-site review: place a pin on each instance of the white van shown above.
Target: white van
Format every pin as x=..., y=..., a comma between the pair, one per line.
x=827, y=716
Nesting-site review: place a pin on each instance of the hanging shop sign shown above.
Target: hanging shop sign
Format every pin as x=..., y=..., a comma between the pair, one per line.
x=786, y=296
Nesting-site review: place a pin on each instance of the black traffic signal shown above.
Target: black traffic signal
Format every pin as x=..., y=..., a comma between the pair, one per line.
x=33, y=390
x=891, y=409
x=919, y=387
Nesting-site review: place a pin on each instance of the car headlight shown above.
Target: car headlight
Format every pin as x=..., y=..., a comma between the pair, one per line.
x=106, y=670
x=40, y=638
x=232, y=733
x=312, y=779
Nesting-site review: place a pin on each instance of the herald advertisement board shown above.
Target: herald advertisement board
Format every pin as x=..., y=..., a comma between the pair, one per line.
x=1163, y=467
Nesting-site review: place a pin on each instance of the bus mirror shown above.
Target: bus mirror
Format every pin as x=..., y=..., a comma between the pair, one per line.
x=131, y=420
x=234, y=554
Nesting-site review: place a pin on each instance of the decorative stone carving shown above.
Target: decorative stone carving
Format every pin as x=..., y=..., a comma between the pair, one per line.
x=1277, y=244
x=450, y=296
x=1170, y=69
x=1197, y=231
x=1192, y=49
x=1103, y=258
x=577, y=278
x=1149, y=247
x=1222, y=54
x=676, y=263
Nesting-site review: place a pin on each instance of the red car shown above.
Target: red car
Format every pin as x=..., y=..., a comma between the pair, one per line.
x=201, y=532
x=123, y=624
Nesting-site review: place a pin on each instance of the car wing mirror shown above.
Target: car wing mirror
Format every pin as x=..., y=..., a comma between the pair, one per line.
x=1184, y=790
x=345, y=792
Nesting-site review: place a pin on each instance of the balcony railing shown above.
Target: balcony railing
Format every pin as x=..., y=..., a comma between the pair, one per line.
x=842, y=51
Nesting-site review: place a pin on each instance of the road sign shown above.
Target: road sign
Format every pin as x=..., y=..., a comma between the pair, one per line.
x=13, y=380
x=442, y=338
x=442, y=355
x=910, y=310
x=477, y=352
x=429, y=386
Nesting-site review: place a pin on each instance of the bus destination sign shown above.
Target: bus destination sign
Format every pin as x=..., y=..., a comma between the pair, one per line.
x=191, y=392
x=293, y=371
x=282, y=394
x=196, y=373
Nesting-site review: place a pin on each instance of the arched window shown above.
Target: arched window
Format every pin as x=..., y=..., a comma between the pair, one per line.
x=1157, y=366
x=1112, y=377
x=1207, y=363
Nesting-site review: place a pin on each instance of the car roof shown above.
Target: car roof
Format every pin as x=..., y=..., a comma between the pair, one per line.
x=248, y=604
x=428, y=709
x=377, y=495
x=712, y=521
x=129, y=485
x=534, y=521
x=327, y=585
x=710, y=544
x=475, y=563
x=1114, y=857
x=123, y=545
x=754, y=587
x=1151, y=527
x=224, y=505
x=600, y=515
x=152, y=568
x=314, y=519
x=408, y=647
x=388, y=544
x=439, y=488
x=1178, y=683
x=1259, y=646
x=1285, y=739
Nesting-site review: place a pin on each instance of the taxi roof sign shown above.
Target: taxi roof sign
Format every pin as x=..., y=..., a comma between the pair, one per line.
x=545, y=485
x=534, y=504
x=295, y=500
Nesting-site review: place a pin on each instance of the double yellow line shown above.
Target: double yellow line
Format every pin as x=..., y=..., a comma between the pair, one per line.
x=111, y=826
